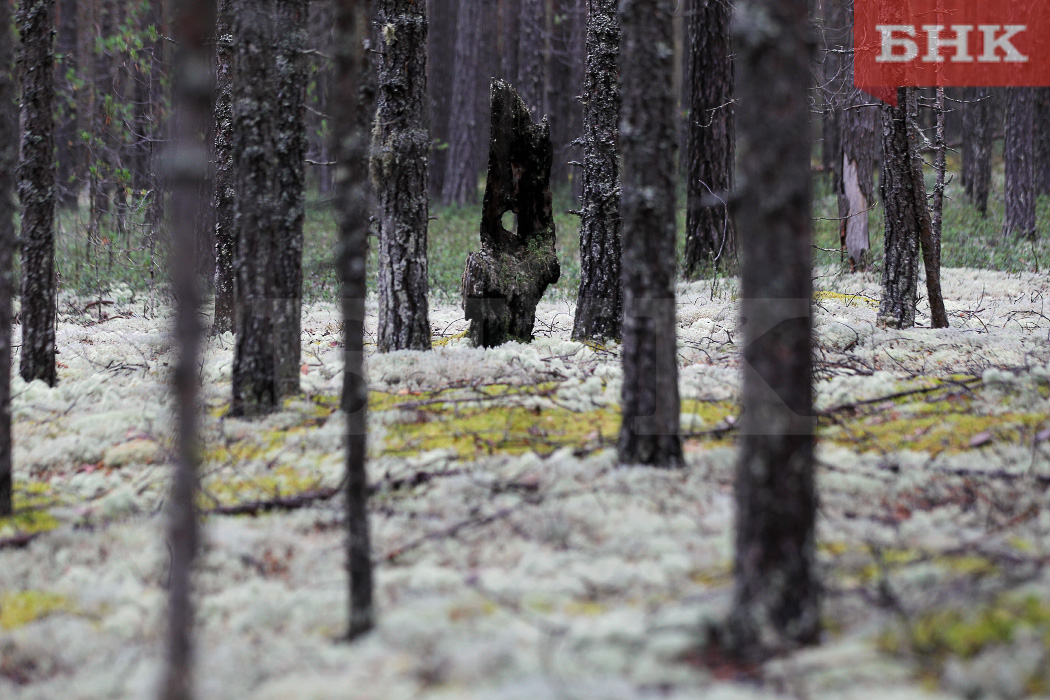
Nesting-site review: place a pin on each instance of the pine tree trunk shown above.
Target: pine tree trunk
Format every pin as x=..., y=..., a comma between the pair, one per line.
x=254, y=364
x=401, y=141
x=352, y=89
x=1018, y=162
x=648, y=132
x=187, y=174
x=36, y=190
x=710, y=234
x=532, y=55
x=8, y=244
x=441, y=57
x=977, y=147
x=599, y=304
x=905, y=211
x=225, y=177
x=289, y=153
x=931, y=238
x=1041, y=142
x=67, y=137
x=460, y=184
x=776, y=604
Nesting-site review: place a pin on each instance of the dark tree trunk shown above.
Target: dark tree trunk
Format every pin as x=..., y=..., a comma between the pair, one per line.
x=566, y=42
x=352, y=90
x=837, y=32
x=510, y=38
x=401, y=140
x=931, y=237
x=977, y=147
x=289, y=153
x=255, y=389
x=187, y=173
x=36, y=190
x=67, y=136
x=8, y=244
x=599, y=305
x=532, y=55
x=224, y=200
x=1041, y=142
x=649, y=138
x=905, y=211
x=710, y=235
x=776, y=604
x=504, y=281
x=441, y=52
x=1018, y=163
x=460, y=184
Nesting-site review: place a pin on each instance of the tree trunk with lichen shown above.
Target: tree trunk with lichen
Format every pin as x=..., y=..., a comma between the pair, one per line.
x=649, y=433
x=401, y=142
x=36, y=190
x=776, y=601
x=504, y=281
x=8, y=243
x=599, y=304
x=905, y=210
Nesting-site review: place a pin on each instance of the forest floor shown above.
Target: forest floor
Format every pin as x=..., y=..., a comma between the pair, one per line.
x=516, y=559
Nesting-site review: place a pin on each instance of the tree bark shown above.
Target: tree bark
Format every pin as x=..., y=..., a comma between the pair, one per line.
x=977, y=147
x=776, y=602
x=1041, y=142
x=36, y=190
x=1018, y=162
x=504, y=281
x=401, y=141
x=710, y=234
x=225, y=176
x=352, y=89
x=906, y=217
x=461, y=175
x=532, y=55
x=255, y=389
x=599, y=304
x=931, y=244
x=289, y=153
x=648, y=132
x=441, y=58
x=187, y=172
x=8, y=244
x=67, y=136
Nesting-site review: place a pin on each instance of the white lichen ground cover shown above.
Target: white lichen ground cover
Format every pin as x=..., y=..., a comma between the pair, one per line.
x=515, y=558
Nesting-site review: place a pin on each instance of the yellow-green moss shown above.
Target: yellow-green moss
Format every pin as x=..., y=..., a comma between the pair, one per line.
x=948, y=433
x=19, y=608
x=31, y=515
x=848, y=299
x=280, y=482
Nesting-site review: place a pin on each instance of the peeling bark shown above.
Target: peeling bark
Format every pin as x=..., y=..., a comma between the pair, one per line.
x=599, y=304
x=401, y=142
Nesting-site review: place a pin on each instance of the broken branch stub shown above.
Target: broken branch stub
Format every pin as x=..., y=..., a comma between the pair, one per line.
x=504, y=281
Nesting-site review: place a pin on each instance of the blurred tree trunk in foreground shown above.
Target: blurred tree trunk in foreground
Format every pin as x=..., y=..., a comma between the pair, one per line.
x=8, y=243
x=649, y=137
x=776, y=604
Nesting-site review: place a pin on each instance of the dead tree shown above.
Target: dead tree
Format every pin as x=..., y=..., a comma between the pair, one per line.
x=776, y=601
x=649, y=136
x=8, y=243
x=977, y=147
x=401, y=141
x=504, y=281
x=36, y=190
x=187, y=175
x=599, y=304
x=353, y=90
x=905, y=211
x=1017, y=160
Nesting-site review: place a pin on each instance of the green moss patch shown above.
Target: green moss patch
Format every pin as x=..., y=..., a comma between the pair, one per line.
x=32, y=503
x=277, y=483
x=19, y=608
x=934, y=432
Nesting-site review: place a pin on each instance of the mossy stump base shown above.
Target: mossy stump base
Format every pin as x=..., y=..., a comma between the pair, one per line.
x=504, y=281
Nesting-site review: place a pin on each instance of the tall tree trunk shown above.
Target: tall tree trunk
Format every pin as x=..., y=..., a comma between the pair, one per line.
x=1018, y=163
x=441, y=53
x=352, y=89
x=255, y=389
x=648, y=131
x=460, y=184
x=931, y=244
x=510, y=39
x=36, y=189
x=906, y=215
x=564, y=86
x=599, y=304
x=776, y=602
x=1041, y=142
x=8, y=243
x=710, y=237
x=187, y=173
x=67, y=136
x=834, y=86
x=532, y=56
x=401, y=140
x=225, y=177
x=289, y=154
x=977, y=147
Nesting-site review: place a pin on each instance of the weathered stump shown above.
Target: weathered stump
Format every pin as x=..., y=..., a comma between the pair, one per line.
x=504, y=281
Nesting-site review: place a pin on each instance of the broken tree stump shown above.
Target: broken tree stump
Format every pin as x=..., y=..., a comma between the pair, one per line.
x=504, y=281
